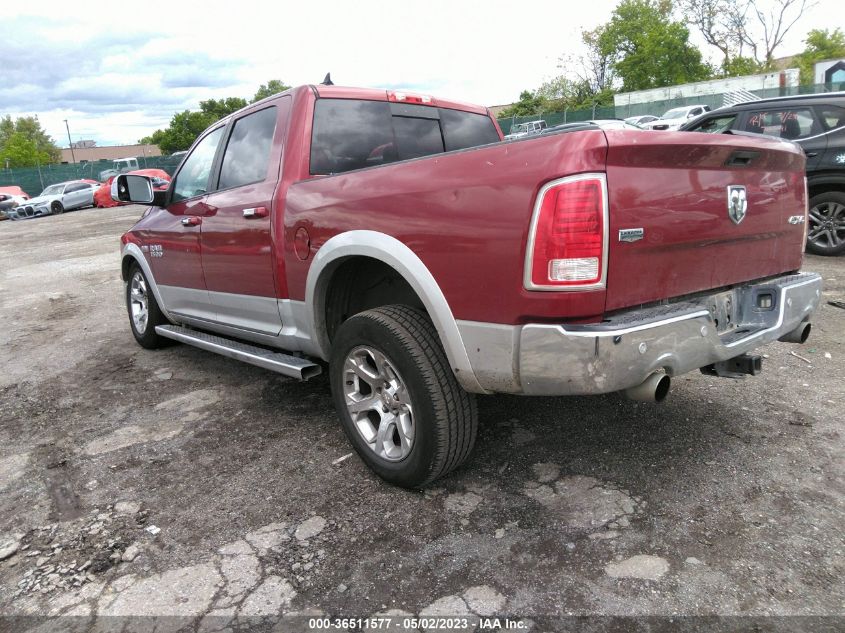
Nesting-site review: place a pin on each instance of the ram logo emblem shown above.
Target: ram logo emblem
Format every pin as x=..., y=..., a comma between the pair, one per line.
x=737, y=203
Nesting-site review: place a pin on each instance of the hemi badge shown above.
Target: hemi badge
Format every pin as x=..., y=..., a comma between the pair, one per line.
x=631, y=235
x=796, y=219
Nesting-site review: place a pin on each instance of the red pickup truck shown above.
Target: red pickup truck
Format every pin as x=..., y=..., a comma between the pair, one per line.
x=399, y=239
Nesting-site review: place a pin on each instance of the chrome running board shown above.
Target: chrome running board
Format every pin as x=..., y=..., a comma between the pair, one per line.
x=285, y=364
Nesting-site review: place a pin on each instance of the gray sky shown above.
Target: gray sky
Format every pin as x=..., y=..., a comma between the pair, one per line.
x=119, y=71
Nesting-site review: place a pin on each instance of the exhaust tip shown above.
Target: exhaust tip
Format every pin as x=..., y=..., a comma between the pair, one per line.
x=798, y=335
x=662, y=389
x=655, y=388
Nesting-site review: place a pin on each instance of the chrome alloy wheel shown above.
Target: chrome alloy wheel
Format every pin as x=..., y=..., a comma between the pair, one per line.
x=827, y=224
x=138, y=304
x=378, y=403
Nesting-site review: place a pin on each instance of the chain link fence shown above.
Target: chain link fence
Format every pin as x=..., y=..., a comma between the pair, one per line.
x=34, y=180
x=656, y=108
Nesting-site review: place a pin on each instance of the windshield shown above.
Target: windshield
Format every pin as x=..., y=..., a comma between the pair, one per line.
x=518, y=128
x=675, y=113
x=53, y=190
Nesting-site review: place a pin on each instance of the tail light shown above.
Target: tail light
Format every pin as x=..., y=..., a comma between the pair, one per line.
x=567, y=240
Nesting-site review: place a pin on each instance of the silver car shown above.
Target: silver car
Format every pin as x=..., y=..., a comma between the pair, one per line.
x=55, y=199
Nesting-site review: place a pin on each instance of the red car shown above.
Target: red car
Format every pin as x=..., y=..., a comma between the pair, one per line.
x=103, y=199
x=398, y=239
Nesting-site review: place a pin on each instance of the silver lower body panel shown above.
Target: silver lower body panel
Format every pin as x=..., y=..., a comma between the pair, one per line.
x=552, y=360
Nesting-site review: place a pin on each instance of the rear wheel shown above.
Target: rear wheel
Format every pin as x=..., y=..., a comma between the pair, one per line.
x=144, y=313
x=826, y=232
x=56, y=208
x=397, y=397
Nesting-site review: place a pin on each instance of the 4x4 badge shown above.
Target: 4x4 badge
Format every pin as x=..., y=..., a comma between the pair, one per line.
x=737, y=203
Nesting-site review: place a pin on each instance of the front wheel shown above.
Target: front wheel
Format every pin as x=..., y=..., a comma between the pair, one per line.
x=826, y=233
x=397, y=397
x=56, y=208
x=144, y=313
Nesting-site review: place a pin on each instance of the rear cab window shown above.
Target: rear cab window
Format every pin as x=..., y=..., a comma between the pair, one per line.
x=352, y=134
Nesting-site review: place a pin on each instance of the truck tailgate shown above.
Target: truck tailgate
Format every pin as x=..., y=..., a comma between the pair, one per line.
x=673, y=189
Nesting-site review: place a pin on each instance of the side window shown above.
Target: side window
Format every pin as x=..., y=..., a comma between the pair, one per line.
x=74, y=187
x=789, y=124
x=248, y=151
x=192, y=179
x=350, y=134
x=832, y=116
x=716, y=124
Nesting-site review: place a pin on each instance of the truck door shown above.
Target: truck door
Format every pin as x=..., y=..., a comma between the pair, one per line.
x=237, y=241
x=174, y=242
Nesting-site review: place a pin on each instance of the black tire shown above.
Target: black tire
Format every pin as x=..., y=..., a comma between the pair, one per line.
x=56, y=208
x=827, y=207
x=146, y=336
x=445, y=417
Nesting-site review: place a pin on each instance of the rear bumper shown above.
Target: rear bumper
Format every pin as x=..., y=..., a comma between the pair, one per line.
x=541, y=359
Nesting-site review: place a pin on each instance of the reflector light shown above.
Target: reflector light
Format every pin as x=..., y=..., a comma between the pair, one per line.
x=407, y=97
x=567, y=245
x=582, y=269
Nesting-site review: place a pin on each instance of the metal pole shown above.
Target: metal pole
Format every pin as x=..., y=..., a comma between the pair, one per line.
x=70, y=143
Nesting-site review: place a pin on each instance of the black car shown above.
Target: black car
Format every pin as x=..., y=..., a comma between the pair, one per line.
x=817, y=124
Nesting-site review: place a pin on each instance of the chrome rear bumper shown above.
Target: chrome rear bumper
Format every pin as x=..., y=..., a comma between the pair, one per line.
x=625, y=349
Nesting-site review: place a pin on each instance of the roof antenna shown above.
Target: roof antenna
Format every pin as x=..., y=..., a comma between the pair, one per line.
x=328, y=80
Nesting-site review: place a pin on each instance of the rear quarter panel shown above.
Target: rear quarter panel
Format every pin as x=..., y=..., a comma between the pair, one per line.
x=465, y=214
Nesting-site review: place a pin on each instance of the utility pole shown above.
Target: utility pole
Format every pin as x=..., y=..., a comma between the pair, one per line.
x=70, y=143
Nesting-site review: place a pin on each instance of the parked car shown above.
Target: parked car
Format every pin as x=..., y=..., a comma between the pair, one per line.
x=676, y=117
x=119, y=166
x=102, y=196
x=817, y=124
x=58, y=198
x=9, y=201
x=395, y=238
x=526, y=129
x=641, y=120
x=605, y=124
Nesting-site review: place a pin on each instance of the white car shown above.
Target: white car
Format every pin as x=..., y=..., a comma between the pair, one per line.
x=676, y=117
x=55, y=199
x=526, y=129
x=641, y=120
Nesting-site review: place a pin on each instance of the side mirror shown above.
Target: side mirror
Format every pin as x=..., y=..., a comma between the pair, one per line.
x=127, y=188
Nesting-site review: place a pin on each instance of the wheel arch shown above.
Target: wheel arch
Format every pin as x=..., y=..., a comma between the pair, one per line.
x=824, y=182
x=372, y=245
x=132, y=254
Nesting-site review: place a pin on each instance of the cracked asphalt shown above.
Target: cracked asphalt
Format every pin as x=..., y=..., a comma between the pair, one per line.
x=179, y=483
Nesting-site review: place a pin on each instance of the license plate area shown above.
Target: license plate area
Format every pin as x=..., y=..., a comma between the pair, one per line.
x=724, y=310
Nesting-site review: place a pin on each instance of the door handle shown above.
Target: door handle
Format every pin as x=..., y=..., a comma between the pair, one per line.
x=192, y=221
x=811, y=154
x=255, y=212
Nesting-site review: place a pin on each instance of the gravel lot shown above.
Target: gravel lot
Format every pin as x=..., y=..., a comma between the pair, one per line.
x=727, y=499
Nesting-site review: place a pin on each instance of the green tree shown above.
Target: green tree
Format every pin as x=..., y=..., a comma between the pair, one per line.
x=648, y=49
x=22, y=151
x=186, y=126
x=529, y=103
x=821, y=44
x=25, y=140
x=272, y=87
